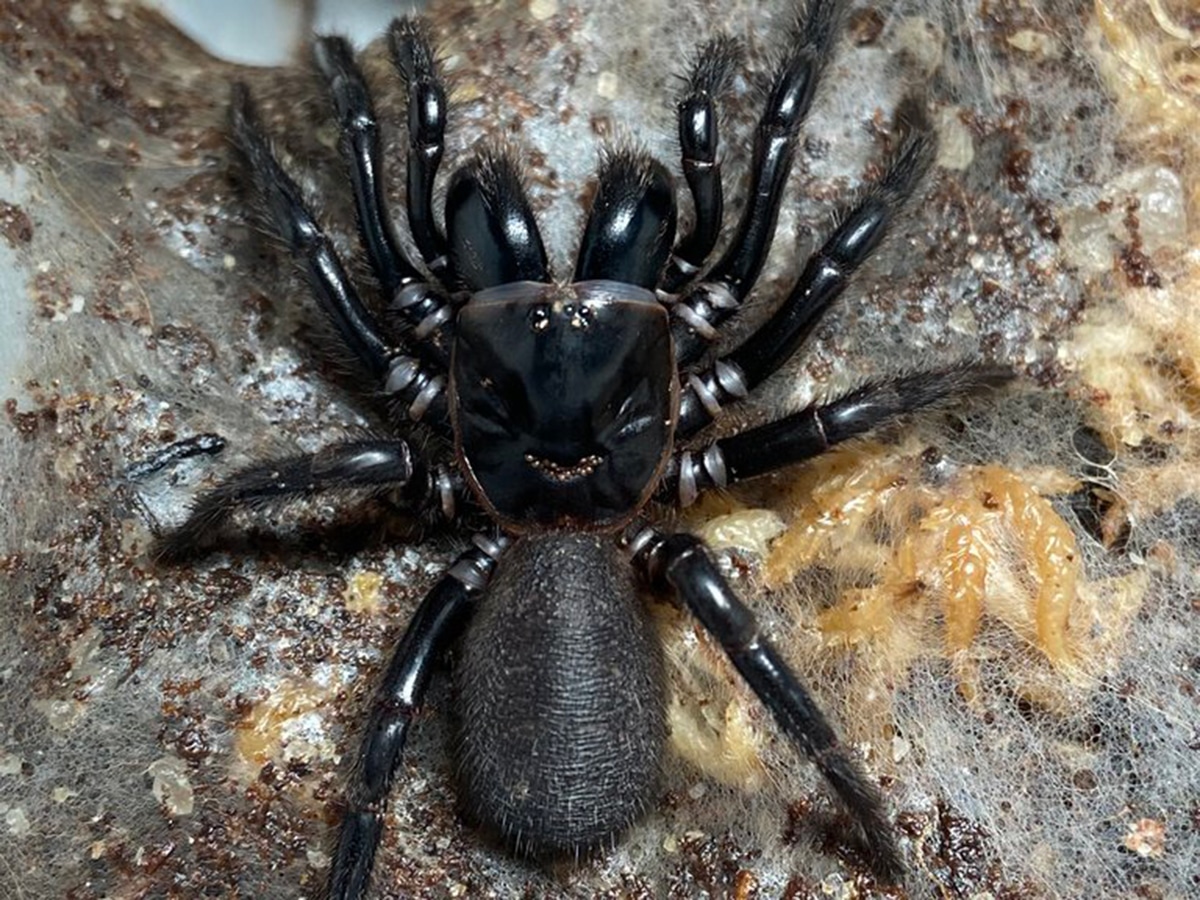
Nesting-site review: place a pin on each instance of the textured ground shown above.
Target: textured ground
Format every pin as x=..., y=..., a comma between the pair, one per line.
x=180, y=732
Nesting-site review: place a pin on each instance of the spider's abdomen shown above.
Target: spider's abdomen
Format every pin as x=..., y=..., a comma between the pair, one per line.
x=560, y=696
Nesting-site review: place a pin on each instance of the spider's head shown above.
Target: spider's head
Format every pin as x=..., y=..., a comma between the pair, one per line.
x=564, y=401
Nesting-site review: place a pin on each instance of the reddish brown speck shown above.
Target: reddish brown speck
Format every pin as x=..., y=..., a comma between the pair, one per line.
x=15, y=224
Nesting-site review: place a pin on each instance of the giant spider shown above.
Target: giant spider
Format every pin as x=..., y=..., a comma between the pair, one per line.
x=561, y=410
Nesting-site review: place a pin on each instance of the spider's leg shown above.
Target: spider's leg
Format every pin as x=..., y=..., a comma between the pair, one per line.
x=681, y=563
x=422, y=305
x=302, y=235
x=711, y=71
x=713, y=300
x=360, y=145
x=631, y=224
x=413, y=384
x=437, y=622
x=494, y=238
x=825, y=276
x=814, y=429
x=370, y=466
x=414, y=58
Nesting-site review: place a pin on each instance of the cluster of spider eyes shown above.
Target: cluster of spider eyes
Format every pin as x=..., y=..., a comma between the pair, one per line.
x=578, y=315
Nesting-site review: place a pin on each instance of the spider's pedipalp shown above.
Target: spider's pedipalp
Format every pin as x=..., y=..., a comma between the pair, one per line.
x=632, y=222
x=420, y=306
x=793, y=87
x=862, y=227
x=712, y=70
x=494, y=237
x=415, y=60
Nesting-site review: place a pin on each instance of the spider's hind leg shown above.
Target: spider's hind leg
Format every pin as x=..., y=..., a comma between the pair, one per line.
x=681, y=563
x=439, y=619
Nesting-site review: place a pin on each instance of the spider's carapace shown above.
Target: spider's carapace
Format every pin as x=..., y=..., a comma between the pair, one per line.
x=563, y=400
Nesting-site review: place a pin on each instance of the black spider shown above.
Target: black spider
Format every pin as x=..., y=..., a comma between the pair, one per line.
x=560, y=409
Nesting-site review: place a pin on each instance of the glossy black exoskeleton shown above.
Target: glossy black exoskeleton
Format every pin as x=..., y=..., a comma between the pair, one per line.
x=565, y=399
x=563, y=408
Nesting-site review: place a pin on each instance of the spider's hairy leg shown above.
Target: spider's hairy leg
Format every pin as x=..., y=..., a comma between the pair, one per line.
x=494, y=237
x=814, y=429
x=372, y=466
x=681, y=563
x=632, y=221
x=794, y=85
x=699, y=139
x=360, y=146
x=861, y=228
x=415, y=60
x=303, y=237
x=438, y=621
x=422, y=306
x=406, y=380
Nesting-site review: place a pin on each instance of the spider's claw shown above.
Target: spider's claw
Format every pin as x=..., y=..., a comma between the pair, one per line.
x=357, y=840
x=862, y=799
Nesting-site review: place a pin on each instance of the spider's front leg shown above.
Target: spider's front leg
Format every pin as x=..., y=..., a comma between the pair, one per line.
x=411, y=383
x=861, y=228
x=710, y=302
x=422, y=305
x=681, y=563
x=439, y=619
